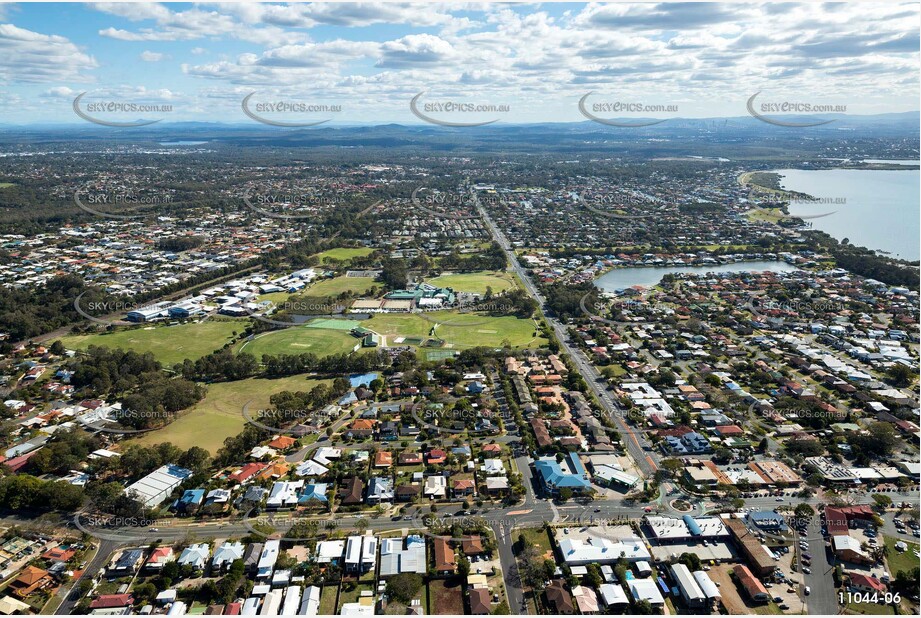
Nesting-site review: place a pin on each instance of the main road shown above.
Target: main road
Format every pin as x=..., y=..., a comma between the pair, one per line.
x=633, y=440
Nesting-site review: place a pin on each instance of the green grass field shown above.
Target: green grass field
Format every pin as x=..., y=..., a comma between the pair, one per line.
x=328, y=600
x=476, y=283
x=6, y=185
x=220, y=414
x=901, y=561
x=169, y=344
x=337, y=285
x=464, y=330
x=343, y=254
x=299, y=340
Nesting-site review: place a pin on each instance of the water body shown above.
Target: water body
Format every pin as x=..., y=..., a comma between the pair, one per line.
x=879, y=210
x=648, y=276
x=182, y=143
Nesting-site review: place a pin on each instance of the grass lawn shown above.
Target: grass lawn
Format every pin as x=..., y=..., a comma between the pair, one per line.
x=337, y=285
x=476, y=283
x=7, y=185
x=353, y=595
x=328, y=600
x=343, y=254
x=300, y=339
x=901, y=561
x=465, y=330
x=169, y=344
x=446, y=596
x=220, y=414
x=535, y=536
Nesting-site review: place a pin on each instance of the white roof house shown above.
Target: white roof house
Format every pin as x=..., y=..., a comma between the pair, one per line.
x=196, y=555
x=329, y=551
x=601, y=550
x=706, y=585
x=267, y=558
x=226, y=554
x=493, y=467
x=292, y=601
x=687, y=586
x=283, y=494
x=613, y=594
x=158, y=485
x=310, y=602
x=435, y=487
x=646, y=590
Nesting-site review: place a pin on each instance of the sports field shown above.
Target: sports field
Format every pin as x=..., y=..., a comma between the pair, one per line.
x=220, y=414
x=301, y=339
x=344, y=254
x=476, y=283
x=337, y=285
x=169, y=344
x=458, y=330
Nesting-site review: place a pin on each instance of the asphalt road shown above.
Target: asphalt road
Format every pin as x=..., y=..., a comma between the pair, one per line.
x=633, y=442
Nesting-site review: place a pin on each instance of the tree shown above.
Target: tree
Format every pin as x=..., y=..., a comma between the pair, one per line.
x=900, y=375
x=404, y=587
x=882, y=501
x=565, y=494
x=691, y=561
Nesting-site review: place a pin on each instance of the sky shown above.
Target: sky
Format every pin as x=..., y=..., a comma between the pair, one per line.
x=365, y=62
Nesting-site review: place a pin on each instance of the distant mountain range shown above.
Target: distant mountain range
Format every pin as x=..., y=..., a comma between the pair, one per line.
x=674, y=136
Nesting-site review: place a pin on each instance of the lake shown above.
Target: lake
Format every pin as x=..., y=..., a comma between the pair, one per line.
x=880, y=209
x=648, y=276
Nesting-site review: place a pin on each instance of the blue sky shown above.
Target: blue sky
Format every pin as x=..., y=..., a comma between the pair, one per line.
x=529, y=62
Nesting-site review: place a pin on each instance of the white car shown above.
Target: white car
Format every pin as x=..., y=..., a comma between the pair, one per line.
x=808, y=591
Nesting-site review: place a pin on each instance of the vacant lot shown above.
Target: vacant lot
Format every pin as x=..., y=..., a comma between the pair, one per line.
x=220, y=414
x=476, y=283
x=299, y=340
x=168, y=344
x=446, y=596
x=328, y=600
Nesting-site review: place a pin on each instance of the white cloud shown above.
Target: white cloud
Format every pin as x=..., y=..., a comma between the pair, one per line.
x=149, y=56
x=27, y=56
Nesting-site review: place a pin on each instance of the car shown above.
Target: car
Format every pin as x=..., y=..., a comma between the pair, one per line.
x=565, y=530
x=807, y=571
x=783, y=606
x=807, y=556
x=648, y=509
x=155, y=530
x=597, y=510
x=808, y=591
x=778, y=599
x=778, y=499
x=407, y=518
